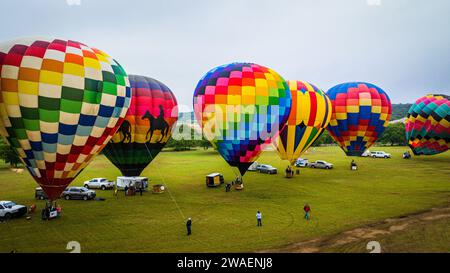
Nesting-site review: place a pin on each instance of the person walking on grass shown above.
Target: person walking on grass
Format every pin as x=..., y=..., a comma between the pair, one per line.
x=126, y=190
x=258, y=219
x=307, y=210
x=189, y=226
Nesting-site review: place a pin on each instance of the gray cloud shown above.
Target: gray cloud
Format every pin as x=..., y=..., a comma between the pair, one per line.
x=400, y=45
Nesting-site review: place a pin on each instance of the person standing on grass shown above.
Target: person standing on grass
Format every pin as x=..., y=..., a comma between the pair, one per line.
x=189, y=226
x=126, y=190
x=258, y=219
x=307, y=210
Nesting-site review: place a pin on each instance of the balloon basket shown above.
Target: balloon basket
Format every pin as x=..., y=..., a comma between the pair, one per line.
x=51, y=211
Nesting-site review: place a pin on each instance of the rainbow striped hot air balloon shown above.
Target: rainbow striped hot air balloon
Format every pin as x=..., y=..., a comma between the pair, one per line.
x=147, y=126
x=428, y=125
x=309, y=116
x=361, y=111
x=60, y=103
x=240, y=106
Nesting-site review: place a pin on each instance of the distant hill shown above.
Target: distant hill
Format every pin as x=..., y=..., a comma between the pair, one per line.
x=400, y=110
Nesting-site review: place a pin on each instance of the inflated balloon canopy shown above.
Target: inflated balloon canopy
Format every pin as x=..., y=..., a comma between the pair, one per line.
x=428, y=125
x=309, y=116
x=147, y=127
x=361, y=111
x=239, y=134
x=60, y=103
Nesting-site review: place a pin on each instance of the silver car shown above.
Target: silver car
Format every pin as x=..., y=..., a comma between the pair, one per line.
x=264, y=168
x=80, y=193
x=320, y=164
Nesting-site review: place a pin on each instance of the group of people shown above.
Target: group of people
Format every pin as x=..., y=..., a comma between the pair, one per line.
x=406, y=155
x=50, y=211
x=289, y=171
x=131, y=190
x=306, y=210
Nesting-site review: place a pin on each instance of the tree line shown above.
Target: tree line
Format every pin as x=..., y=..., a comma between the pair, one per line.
x=394, y=135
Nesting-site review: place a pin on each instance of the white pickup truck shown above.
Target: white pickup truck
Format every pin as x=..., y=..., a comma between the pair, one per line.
x=10, y=209
x=99, y=183
x=380, y=154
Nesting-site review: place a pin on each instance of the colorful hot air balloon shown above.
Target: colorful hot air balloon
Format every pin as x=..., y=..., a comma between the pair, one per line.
x=428, y=125
x=147, y=126
x=361, y=111
x=309, y=116
x=243, y=104
x=60, y=103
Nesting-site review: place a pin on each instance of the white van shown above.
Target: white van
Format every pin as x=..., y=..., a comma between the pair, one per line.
x=135, y=181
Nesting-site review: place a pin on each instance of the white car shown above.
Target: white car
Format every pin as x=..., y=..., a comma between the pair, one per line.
x=10, y=209
x=253, y=167
x=380, y=154
x=302, y=162
x=99, y=183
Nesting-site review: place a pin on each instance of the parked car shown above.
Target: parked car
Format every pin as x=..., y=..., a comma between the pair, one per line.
x=320, y=164
x=301, y=162
x=99, y=183
x=366, y=153
x=78, y=193
x=10, y=209
x=39, y=193
x=264, y=168
x=380, y=154
x=254, y=166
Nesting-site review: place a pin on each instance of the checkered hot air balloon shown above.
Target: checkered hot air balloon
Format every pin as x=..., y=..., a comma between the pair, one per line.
x=240, y=106
x=428, y=125
x=361, y=112
x=61, y=101
x=147, y=126
x=309, y=116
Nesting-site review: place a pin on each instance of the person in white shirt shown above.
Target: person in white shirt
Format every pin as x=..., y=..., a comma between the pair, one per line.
x=258, y=218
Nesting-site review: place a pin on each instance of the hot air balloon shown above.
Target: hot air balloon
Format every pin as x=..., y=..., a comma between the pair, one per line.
x=240, y=106
x=60, y=103
x=361, y=112
x=428, y=125
x=147, y=126
x=309, y=116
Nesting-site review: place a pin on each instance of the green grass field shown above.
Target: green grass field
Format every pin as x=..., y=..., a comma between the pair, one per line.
x=225, y=222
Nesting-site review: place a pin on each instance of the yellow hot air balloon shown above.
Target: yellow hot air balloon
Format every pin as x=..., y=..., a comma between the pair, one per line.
x=309, y=116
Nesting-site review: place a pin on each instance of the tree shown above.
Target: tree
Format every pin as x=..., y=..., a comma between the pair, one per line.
x=325, y=138
x=394, y=134
x=8, y=154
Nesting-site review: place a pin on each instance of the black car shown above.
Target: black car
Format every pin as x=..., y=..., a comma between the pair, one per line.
x=80, y=193
x=39, y=194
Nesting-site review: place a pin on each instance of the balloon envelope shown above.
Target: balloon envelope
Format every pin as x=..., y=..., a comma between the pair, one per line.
x=147, y=126
x=309, y=116
x=243, y=104
x=60, y=103
x=361, y=111
x=428, y=125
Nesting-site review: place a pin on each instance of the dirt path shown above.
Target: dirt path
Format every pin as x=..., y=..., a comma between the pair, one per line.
x=367, y=232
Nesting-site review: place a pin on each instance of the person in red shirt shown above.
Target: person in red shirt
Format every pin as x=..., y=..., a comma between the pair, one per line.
x=307, y=210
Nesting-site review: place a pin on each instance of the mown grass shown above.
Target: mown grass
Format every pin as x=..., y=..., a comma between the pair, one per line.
x=222, y=222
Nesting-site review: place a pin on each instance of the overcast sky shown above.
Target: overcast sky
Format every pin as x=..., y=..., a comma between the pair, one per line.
x=403, y=46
